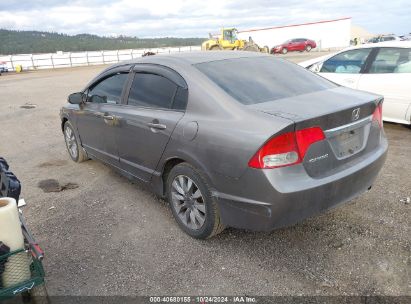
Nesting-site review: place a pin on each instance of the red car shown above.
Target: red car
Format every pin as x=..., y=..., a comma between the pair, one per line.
x=297, y=44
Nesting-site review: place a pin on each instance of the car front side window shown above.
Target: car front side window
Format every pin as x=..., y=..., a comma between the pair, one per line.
x=392, y=60
x=108, y=90
x=351, y=62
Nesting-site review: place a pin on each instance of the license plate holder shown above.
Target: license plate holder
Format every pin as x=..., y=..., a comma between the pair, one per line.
x=348, y=143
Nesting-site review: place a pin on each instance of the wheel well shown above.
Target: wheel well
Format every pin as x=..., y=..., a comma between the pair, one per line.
x=63, y=122
x=170, y=164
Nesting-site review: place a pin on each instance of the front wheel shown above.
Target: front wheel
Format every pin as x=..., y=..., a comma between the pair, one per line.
x=193, y=207
x=74, y=149
x=284, y=51
x=308, y=48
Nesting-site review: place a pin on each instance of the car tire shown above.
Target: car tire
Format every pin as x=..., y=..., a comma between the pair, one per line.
x=193, y=207
x=308, y=48
x=216, y=47
x=73, y=146
x=284, y=51
x=251, y=48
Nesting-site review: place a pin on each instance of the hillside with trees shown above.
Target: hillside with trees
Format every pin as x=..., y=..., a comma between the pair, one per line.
x=28, y=42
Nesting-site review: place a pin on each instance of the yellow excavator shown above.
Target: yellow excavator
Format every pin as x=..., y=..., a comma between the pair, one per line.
x=227, y=40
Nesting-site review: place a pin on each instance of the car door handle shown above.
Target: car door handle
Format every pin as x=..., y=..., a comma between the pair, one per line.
x=349, y=80
x=157, y=126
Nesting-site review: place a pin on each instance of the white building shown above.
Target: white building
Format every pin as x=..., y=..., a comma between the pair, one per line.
x=328, y=34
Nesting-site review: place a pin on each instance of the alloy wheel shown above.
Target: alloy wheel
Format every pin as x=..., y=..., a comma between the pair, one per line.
x=71, y=142
x=188, y=202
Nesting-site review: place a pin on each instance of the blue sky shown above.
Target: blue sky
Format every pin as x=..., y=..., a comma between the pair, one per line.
x=185, y=18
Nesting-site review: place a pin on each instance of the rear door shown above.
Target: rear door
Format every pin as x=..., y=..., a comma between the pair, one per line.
x=345, y=68
x=156, y=101
x=389, y=74
x=95, y=122
x=300, y=44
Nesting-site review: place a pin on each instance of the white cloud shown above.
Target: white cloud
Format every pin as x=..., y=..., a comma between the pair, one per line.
x=185, y=18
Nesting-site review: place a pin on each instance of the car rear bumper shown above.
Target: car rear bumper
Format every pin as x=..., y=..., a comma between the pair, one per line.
x=283, y=197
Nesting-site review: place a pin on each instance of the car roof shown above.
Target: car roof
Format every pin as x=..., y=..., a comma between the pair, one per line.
x=182, y=61
x=392, y=43
x=190, y=58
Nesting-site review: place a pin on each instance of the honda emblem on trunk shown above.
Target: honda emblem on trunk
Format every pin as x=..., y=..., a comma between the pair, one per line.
x=355, y=114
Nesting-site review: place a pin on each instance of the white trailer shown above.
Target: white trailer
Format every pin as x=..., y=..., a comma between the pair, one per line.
x=328, y=34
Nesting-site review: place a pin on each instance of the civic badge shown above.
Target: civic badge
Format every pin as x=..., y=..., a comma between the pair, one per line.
x=355, y=114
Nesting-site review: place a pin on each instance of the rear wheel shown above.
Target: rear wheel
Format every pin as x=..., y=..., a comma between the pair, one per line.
x=265, y=49
x=251, y=48
x=193, y=207
x=308, y=48
x=216, y=48
x=74, y=149
x=284, y=51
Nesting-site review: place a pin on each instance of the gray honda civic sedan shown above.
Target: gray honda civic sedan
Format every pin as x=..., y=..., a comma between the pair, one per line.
x=236, y=139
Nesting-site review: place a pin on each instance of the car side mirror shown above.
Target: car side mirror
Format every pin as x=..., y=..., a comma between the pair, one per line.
x=316, y=67
x=77, y=98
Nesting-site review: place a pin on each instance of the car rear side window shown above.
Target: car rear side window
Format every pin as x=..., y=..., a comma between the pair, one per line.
x=108, y=90
x=392, y=60
x=152, y=91
x=260, y=79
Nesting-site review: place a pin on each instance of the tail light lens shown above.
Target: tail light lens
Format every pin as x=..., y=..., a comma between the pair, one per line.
x=306, y=137
x=285, y=149
x=377, y=116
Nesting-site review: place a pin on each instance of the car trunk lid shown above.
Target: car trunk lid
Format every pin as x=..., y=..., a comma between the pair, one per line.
x=344, y=115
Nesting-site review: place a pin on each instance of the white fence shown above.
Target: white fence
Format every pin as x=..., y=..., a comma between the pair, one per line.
x=72, y=59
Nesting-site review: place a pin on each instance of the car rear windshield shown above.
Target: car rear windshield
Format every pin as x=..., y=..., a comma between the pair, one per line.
x=252, y=80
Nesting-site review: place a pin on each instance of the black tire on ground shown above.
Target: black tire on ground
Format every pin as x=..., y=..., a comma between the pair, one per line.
x=74, y=149
x=284, y=51
x=308, y=48
x=251, y=48
x=216, y=48
x=212, y=224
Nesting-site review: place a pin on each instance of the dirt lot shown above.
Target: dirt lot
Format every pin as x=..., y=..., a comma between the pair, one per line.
x=111, y=237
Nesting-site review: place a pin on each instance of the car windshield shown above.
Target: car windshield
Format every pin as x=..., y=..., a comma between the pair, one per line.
x=255, y=80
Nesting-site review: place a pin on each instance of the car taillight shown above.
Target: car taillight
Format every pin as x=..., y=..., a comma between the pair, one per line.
x=286, y=149
x=377, y=116
x=306, y=137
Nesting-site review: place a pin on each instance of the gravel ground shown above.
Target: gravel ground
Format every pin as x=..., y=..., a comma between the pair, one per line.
x=104, y=235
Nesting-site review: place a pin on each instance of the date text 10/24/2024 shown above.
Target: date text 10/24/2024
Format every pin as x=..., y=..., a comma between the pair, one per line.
x=203, y=299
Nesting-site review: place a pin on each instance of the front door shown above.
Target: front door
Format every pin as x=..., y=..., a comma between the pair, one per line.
x=95, y=121
x=345, y=68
